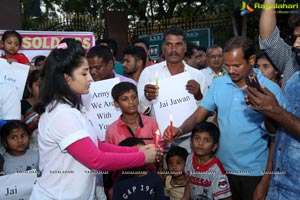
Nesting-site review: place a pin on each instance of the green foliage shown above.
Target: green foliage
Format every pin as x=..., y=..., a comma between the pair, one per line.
x=157, y=10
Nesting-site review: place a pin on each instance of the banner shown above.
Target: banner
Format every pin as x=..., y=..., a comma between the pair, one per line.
x=42, y=42
x=176, y=102
x=99, y=105
x=15, y=74
x=17, y=186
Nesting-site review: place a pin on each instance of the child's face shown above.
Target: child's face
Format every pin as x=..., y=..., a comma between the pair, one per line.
x=176, y=165
x=202, y=144
x=11, y=45
x=17, y=142
x=128, y=102
x=34, y=90
x=267, y=69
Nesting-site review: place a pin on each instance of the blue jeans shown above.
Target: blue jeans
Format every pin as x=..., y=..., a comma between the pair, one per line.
x=278, y=193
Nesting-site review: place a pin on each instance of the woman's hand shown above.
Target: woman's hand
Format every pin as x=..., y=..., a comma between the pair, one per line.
x=152, y=154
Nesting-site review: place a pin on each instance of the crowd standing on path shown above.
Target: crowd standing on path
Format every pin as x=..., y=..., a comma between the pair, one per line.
x=248, y=152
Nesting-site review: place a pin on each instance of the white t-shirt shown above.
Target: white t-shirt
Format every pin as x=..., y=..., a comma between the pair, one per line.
x=208, y=181
x=63, y=177
x=210, y=75
x=20, y=164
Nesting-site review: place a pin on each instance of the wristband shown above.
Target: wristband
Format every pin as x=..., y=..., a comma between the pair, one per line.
x=271, y=135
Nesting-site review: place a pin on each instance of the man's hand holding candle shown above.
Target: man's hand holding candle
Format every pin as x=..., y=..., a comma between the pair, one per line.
x=177, y=132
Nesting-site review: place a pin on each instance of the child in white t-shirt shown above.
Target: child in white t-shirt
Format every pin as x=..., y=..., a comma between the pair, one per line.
x=205, y=173
x=17, y=158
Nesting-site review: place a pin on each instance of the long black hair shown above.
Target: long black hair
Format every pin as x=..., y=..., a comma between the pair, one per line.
x=62, y=60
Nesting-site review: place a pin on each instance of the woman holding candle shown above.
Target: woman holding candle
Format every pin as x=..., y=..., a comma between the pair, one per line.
x=69, y=151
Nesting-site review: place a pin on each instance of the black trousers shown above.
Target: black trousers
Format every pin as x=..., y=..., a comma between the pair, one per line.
x=243, y=187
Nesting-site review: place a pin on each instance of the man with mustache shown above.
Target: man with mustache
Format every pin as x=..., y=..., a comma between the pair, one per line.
x=173, y=48
x=243, y=147
x=285, y=172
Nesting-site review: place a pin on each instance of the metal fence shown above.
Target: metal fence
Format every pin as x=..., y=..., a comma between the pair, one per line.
x=65, y=23
x=221, y=26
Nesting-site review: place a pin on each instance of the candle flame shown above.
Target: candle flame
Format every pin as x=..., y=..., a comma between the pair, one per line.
x=171, y=118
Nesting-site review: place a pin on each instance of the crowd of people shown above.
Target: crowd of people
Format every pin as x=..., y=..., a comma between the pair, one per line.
x=241, y=143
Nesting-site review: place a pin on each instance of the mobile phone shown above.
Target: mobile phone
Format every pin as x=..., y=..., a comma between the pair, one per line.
x=251, y=80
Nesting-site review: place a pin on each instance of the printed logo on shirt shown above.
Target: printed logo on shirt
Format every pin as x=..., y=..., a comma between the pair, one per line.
x=146, y=189
x=223, y=183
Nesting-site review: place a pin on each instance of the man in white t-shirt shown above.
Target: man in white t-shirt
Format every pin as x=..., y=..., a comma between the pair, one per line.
x=214, y=64
x=174, y=48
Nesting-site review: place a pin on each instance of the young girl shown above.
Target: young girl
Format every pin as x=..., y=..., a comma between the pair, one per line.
x=70, y=149
x=11, y=42
x=17, y=158
x=28, y=114
x=268, y=69
x=176, y=181
x=206, y=176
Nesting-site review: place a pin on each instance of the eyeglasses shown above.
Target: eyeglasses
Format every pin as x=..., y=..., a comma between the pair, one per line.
x=215, y=57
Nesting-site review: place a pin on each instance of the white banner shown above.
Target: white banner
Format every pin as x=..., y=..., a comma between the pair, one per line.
x=15, y=74
x=17, y=186
x=99, y=105
x=173, y=99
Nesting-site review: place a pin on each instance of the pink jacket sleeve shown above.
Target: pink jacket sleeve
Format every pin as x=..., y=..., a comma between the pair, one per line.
x=87, y=153
x=106, y=147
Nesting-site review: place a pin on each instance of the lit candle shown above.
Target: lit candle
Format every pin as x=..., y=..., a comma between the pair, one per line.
x=156, y=139
x=156, y=79
x=171, y=128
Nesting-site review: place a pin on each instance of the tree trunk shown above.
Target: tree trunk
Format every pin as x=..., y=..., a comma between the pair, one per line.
x=244, y=26
x=234, y=26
